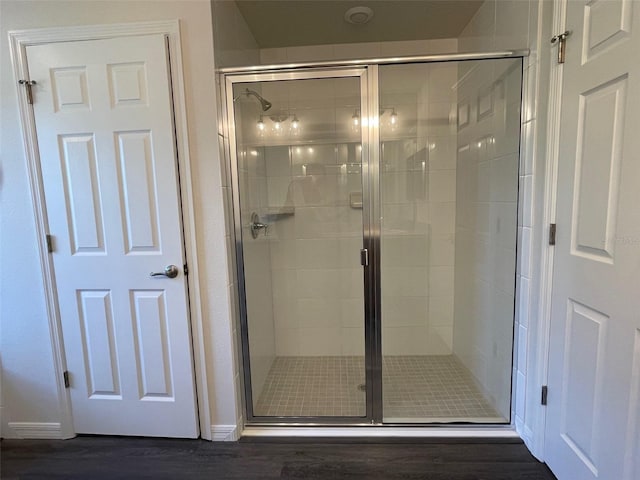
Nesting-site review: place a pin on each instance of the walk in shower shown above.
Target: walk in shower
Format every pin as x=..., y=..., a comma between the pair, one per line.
x=375, y=211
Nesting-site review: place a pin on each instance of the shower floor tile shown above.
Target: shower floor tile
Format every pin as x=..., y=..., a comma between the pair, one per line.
x=426, y=388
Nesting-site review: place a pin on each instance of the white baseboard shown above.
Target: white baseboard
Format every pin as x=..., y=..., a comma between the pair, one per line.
x=224, y=433
x=532, y=441
x=36, y=430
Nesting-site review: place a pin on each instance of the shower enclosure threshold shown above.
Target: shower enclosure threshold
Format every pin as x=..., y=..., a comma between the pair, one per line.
x=380, y=431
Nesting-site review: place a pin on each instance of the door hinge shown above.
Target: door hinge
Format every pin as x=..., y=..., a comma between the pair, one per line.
x=552, y=234
x=65, y=375
x=364, y=257
x=28, y=84
x=561, y=40
x=49, y=243
x=185, y=269
x=543, y=395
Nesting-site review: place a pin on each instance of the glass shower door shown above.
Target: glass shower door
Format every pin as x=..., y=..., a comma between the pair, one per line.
x=298, y=198
x=449, y=147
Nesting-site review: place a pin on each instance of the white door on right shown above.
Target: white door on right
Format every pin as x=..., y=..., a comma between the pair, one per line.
x=594, y=364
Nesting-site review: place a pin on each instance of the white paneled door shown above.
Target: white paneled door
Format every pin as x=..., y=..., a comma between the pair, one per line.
x=104, y=123
x=594, y=374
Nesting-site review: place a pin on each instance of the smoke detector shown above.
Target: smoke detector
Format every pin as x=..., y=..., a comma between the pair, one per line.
x=358, y=15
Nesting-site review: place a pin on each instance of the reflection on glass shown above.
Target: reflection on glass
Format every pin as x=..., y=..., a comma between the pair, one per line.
x=449, y=178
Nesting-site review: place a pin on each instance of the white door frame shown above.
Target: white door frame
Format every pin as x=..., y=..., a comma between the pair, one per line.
x=540, y=370
x=19, y=40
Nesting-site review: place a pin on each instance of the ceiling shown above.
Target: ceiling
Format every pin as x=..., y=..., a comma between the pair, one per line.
x=287, y=23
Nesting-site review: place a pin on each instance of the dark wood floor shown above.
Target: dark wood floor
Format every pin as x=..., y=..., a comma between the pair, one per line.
x=115, y=458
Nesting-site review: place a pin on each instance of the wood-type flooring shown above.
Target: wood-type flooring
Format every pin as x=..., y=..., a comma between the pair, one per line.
x=97, y=457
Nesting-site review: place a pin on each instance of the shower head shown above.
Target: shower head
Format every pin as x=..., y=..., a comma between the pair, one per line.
x=266, y=104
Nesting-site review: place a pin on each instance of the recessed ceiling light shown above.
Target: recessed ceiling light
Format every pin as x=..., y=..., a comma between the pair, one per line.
x=358, y=15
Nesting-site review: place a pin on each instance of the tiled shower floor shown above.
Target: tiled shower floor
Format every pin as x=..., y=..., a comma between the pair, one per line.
x=415, y=388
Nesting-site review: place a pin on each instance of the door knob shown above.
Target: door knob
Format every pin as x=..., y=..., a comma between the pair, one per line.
x=170, y=271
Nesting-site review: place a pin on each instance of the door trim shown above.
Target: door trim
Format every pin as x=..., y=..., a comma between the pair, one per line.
x=19, y=40
x=540, y=368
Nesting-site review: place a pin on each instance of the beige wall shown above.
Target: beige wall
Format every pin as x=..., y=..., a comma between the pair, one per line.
x=234, y=45
x=29, y=392
x=233, y=41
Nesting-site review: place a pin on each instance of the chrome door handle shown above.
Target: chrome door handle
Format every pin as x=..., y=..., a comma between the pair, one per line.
x=170, y=271
x=256, y=225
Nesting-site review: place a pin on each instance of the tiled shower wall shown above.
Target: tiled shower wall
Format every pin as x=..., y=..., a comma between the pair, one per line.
x=315, y=232
x=315, y=252
x=418, y=188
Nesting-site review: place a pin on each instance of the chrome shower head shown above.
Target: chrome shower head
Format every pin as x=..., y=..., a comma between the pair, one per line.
x=266, y=104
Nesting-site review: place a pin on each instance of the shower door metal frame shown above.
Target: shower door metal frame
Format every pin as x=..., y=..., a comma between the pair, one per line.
x=370, y=239
x=368, y=71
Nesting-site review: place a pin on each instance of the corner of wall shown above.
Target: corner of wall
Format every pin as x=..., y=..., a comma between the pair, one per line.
x=224, y=433
x=234, y=43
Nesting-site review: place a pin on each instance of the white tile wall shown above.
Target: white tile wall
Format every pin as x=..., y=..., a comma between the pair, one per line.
x=404, y=282
x=441, y=310
x=316, y=274
x=316, y=277
x=443, y=217
x=418, y=202
x=320, y=341
x=405, y=311
x=407, y=340
x=440, y=339
x=441, y=281
x=442, y=249
x=352, y=341
x=442, y=186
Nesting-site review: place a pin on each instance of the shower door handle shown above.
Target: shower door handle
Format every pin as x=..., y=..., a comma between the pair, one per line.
x=364, y=257
x=256, y=225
